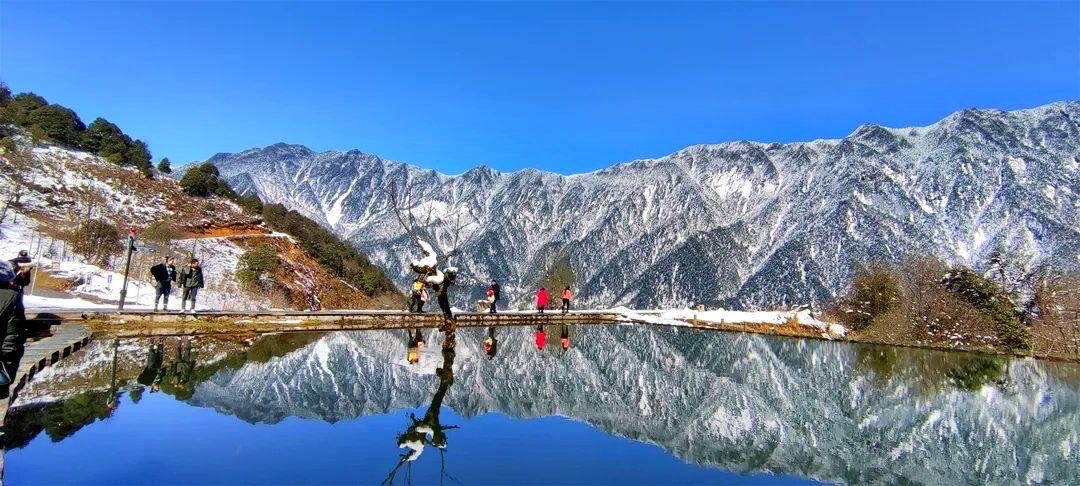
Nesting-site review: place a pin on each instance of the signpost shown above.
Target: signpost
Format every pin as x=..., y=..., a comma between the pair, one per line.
x=127, y=267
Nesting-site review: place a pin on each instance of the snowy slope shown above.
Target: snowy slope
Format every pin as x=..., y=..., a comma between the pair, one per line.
x=58, y=188
x=741, y=223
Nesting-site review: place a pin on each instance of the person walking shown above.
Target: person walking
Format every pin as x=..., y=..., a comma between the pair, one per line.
x=22, y=265
x=566, y=296
x=495, y=292
x=415, y=304
x=164, y=275
x=424, y=296
x=541, y=299
x=442, y=295
x=541, y=338
x=12, y=340
x=564, y=338
x=190, y=280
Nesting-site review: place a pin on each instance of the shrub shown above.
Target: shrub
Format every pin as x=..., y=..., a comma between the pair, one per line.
x=257, y=263
x=96, y=240
x=992, y=301
x=160, y=232
x=873, y=293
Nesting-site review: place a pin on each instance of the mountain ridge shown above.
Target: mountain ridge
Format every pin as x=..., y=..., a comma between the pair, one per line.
x=807, y=214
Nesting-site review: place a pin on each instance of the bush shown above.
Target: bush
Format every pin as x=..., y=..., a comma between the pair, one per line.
x=992, y=301
x=96, y=240
x=873, y=293
x=250, y=203
x=257, y=263
x=160, y=232
x=204, y=180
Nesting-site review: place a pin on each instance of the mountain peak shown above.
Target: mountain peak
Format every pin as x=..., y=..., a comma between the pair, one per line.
x=655, y=232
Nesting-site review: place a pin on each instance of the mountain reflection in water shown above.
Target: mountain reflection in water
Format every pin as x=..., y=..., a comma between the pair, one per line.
x=743, y=403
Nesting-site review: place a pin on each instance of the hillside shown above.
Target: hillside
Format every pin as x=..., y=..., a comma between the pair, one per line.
x=49, y=190
x=741, y=224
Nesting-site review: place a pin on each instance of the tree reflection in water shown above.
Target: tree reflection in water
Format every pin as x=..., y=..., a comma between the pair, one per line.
x=429, y=430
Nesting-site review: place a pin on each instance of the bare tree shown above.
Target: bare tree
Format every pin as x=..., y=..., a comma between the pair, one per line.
x=13, y=165
x=421, y=224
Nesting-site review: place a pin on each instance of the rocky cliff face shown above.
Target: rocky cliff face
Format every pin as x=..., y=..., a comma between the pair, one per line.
x=744, y=224
x=831, y=411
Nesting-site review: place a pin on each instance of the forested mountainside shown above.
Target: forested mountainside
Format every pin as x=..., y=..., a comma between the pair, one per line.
x=743, y=224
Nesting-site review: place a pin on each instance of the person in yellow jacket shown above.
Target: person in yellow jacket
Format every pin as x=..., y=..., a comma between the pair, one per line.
x=416, y=301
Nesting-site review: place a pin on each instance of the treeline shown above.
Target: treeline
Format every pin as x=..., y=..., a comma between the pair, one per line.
x=61, y=125
x=925, y=301
x=336, y=256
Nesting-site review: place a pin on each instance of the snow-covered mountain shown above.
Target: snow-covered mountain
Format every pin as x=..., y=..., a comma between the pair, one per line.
x=742, y=223
x=832, y=411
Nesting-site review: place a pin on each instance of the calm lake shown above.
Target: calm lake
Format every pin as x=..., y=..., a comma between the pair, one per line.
x=598, y=404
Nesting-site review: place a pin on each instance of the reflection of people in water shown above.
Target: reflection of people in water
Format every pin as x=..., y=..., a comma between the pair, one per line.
x=151, y=375
x=429, y=430
x=412, y=350
x=564, y=338
x=541, y=337
x=491, y=344
x=176, y=377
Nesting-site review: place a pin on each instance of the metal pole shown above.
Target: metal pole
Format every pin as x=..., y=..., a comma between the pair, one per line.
x=127, y=268
x=37, y=263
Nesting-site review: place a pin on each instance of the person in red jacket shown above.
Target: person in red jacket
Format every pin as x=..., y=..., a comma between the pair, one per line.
x=541, y=299
x=566, y=296
x=541, y=337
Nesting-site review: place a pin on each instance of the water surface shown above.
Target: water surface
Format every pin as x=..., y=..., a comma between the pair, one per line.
x=610, y=405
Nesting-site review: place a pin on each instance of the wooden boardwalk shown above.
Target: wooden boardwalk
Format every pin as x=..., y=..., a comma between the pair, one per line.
x=68, y=339
x=146, y=323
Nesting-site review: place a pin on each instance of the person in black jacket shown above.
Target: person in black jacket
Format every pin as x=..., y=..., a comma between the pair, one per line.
x=190, y=280
x=164, y=275
x=23, y=266
x=12, y=340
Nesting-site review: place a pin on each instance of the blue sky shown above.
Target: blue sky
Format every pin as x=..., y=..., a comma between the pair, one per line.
x=566, y=87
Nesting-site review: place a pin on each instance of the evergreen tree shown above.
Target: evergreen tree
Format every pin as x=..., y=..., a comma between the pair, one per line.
x=101, y=133
x=165, y=166
x=203, y=181
x=18, y=110
x=5, y=94
x=138, y=155
x=58, y=123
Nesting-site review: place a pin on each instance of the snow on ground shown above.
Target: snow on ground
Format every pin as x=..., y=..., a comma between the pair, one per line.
x=93, y=284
